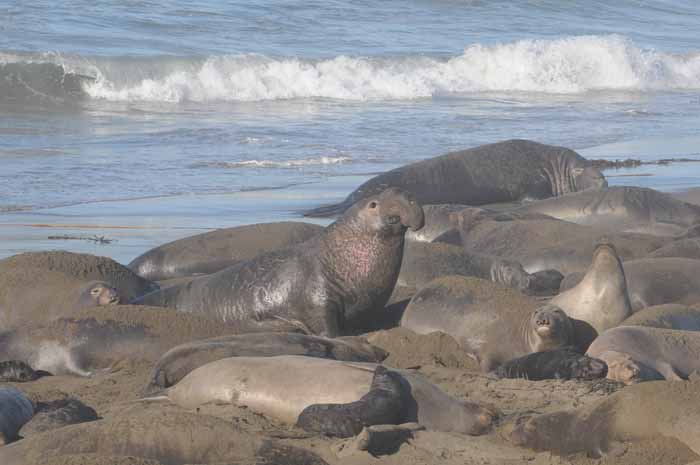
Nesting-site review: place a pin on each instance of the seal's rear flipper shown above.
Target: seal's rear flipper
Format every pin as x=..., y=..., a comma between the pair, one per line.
x=383, y=404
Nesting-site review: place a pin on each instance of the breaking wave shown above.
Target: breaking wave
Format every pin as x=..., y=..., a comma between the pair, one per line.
x=567, y=65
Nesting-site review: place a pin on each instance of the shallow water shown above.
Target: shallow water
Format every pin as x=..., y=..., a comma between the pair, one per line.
x=172, y=116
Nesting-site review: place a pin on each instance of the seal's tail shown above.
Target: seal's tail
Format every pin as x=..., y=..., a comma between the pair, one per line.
x=327, y=210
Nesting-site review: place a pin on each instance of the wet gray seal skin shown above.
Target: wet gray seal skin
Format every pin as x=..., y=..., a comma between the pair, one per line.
x=638, y=412
x=181, y=360
x=327, y=283
x=289, y=388
x=563, y=363
x=17, y=371
x=506, y=171
x=83, y=267
x=56, y=414
x=15, y=410
x=638, y=353
x=437, y=222
x=542, y=242
x=666, y=316
x=621, y=208
x=494, y=323
x=213, y=251
x=601, y=298
x=423, y=262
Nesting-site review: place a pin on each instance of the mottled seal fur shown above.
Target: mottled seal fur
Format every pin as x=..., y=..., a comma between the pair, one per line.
x=15, y=410
x=492, y=322
x=290, y=388
x=181, y=360
x=56, y=414
x=601, y=298
x=213, y=251
x=17, y=371
x=637, y=353
x=330, y=283
x=641, y=411
x=502, y=172
x=84, y=267
x=563, y=363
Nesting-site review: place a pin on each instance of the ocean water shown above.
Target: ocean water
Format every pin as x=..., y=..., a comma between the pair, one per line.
x=146, y=121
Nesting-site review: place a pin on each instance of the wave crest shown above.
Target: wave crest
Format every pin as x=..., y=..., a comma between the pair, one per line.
x=275, y=163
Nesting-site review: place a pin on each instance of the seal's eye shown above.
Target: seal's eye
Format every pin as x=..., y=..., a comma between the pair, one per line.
x=373, y=205
x=95, y=291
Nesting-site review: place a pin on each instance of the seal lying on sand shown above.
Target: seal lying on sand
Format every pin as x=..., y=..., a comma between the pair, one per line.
x=213, y=251
x=553, y=364
x=15, y=410
x=33, y=296
x=666, y=316
x=423, y=262
x=637, y=353
x=83, y=267
x=297, y=389
x=621, y=208
x=327, y=283
x=649, y=281
x=541, y=242
x=682, y=248
x=494, y=323
x=642, y=411
x=17, y=371
x=601, y=297
x=56, y=414
x=181, y=360
x=502, y=172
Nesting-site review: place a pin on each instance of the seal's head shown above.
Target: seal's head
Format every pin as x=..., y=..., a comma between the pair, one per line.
x=550, y=328
x=586, y=368
x=98, y=294
x=391, y=212
x=476, y=419
x=588, y=178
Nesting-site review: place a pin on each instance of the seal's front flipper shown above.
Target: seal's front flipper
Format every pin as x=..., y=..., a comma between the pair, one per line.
x=381, y=405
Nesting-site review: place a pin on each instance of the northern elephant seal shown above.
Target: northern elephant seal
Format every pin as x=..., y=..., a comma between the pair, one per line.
x=213, y=251
x=621, y=209
x=682, y=248
x=638, y=353
x=540, y=242
x=502, y=172
x=437, y=222
x=423, y=262
x=15, y=410
x=641, y=411
x=181, y=360
x=601, y=298
x=17, y=371
x=329, y=283
x=30, y=295
x=492, y=322
x=563, y=363
x=56, y=414
x=84, y=267
x=301, y=389
x=666, y=316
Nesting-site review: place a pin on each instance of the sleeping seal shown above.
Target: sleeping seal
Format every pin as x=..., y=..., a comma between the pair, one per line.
x=563, y=363
x=506, y=171
x=179, y=361
x=638, y=353
x=490, y=321
x=330, y=283
x=213, y=251
x=637, y=412
x=620, y=208
x=329, y=396
x=15, y=410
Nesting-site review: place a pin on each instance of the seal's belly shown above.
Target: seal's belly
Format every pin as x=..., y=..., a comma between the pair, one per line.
x=279, y=387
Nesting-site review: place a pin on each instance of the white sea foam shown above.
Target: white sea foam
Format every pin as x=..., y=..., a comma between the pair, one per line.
x=562, y=66
x=276, y=163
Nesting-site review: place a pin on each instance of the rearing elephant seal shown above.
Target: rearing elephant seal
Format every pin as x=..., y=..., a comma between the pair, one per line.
x=328, y=283
x=502, y=172
x=213, y=251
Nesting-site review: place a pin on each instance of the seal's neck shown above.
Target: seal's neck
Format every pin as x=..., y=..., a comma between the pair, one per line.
x=559, y=172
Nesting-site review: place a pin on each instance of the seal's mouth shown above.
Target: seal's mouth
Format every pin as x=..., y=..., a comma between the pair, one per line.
x=544, y=330
x=393, y=219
